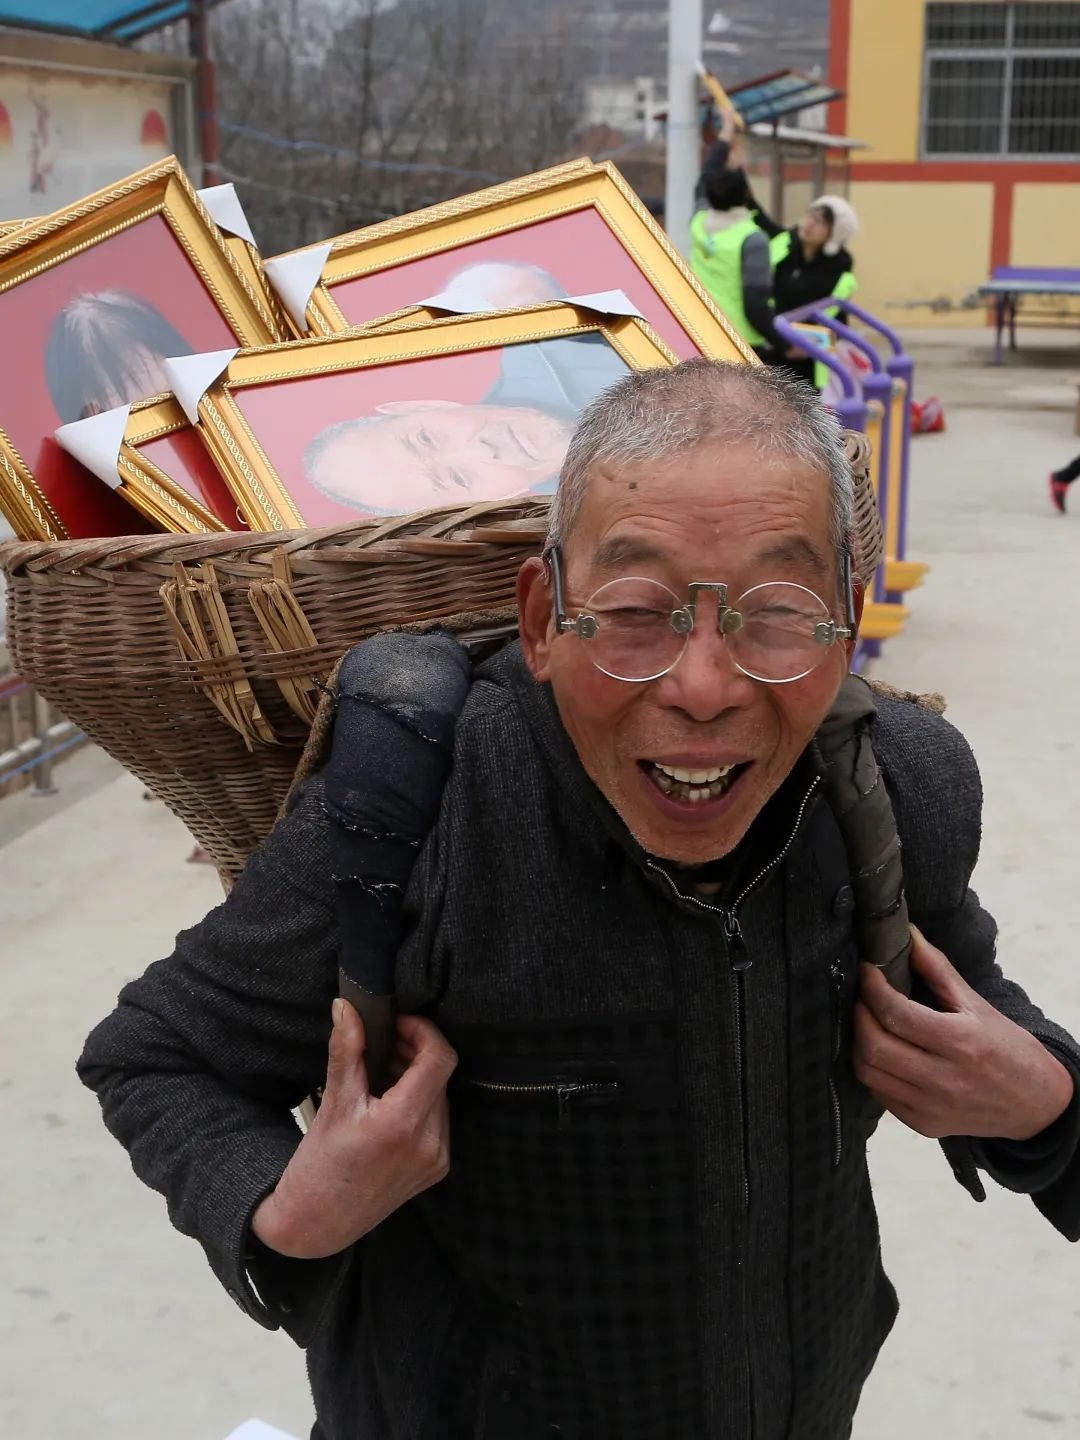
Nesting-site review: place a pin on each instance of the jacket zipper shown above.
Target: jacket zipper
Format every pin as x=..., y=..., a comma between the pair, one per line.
x=740, y=962
x=729, y=914
x=836, y=980
x=564, y=1091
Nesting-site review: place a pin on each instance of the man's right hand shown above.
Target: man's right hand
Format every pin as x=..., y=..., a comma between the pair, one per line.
x=363, y=1157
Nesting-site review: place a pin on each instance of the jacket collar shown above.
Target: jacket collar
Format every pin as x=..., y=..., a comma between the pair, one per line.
x=718, y=220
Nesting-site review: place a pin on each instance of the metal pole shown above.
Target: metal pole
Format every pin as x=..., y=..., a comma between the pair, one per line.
x=199, y=46
x=43, y=784
x=776, y=197
x=683, y=130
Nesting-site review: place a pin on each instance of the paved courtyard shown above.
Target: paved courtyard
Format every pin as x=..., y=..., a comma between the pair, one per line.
x=111, y=1325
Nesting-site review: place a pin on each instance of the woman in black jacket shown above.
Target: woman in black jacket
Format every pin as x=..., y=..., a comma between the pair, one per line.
x=810, y=262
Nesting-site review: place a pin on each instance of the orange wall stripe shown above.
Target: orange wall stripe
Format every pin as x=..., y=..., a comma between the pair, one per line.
x=986, y=171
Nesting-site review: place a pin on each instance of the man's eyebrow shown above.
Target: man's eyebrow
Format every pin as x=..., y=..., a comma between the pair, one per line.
x=794, y=550
x=620, y=550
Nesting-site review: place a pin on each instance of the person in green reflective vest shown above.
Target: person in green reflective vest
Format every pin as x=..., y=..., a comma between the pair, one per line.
x=730, y=256
x=810, y=262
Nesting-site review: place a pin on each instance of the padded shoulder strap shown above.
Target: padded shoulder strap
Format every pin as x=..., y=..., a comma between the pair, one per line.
x=397, y=703
x=855, y=790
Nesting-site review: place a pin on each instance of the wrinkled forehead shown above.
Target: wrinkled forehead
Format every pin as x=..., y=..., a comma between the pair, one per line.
x=714, y=492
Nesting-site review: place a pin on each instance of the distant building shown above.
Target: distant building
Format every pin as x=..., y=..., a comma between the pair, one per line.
x=972, y=113
x=628, y=106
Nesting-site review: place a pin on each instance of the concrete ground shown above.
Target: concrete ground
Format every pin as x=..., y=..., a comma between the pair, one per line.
x=112, y=1326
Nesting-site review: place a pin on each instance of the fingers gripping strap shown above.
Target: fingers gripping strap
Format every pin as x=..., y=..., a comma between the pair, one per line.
x=379, y=1013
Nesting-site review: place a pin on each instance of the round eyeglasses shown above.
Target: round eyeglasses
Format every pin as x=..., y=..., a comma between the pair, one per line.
x=637, y=629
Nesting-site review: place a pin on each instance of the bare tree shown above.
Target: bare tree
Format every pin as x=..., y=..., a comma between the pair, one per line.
x=338, y=113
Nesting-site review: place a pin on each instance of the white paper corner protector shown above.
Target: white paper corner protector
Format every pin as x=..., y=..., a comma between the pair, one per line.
x=294, y=277
x=258, y=1430
x=602, y=302
x=190, y=376
x=606, y=302
x=226, y=211
x=463, y=306
x=95, y=442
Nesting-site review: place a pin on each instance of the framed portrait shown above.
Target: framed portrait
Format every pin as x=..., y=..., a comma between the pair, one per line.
x=574, y=230
x=458, y=410
x=168, y=474
x=99, y=295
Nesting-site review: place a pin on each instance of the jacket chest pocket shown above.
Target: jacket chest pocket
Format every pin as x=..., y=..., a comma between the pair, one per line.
x=568, y=1091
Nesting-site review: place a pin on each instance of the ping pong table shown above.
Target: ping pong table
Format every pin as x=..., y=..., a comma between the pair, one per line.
x=1008, y=284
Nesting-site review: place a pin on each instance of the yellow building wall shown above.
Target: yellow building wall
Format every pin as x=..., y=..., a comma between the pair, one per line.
x=1046, y=224
x=917, y=241
x=884, y=85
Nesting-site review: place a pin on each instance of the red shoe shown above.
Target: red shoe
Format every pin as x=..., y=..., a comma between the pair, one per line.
x=1058, y=490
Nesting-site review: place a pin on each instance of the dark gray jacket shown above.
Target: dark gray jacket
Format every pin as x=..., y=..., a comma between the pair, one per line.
x=658, y=1220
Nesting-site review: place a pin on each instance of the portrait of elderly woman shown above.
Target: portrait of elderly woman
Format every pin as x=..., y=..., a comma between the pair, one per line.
x=422, y=453
x=105, y=349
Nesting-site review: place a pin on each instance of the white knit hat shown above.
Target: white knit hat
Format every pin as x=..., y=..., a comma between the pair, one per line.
x=845, y=222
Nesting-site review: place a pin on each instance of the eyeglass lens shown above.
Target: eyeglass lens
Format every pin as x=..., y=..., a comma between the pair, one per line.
x=776, y=632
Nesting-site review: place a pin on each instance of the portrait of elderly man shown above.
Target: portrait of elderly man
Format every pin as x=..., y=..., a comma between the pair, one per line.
x=618, y=1187
x=418, y=454
x=498, y=285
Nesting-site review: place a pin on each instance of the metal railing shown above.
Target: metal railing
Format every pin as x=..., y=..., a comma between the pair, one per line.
x=35, y=737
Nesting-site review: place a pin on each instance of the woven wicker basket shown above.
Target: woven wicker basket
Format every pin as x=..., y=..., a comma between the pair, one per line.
x=198, y=662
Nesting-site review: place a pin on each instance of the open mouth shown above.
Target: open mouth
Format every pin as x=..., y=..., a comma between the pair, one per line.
x=693, y=787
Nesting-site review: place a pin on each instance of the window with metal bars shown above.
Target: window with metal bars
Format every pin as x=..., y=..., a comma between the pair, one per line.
x=1002, y=79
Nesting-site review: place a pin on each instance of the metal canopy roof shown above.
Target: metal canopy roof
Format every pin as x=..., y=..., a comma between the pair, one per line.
x=779, y=94
x=117, y=20
x=815, y=139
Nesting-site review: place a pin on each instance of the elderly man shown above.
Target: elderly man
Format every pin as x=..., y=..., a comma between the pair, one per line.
x=639, y=1206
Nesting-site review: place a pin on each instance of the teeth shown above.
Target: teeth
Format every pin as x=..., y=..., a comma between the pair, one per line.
x=695, y=786
x=696, y=777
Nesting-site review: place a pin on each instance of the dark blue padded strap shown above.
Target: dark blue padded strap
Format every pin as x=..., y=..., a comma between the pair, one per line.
x=398, y=700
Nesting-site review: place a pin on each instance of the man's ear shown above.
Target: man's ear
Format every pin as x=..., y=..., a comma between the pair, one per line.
x=410, y=407
x=534, y=599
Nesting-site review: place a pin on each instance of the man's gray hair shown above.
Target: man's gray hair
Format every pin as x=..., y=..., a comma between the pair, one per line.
x=655, y=414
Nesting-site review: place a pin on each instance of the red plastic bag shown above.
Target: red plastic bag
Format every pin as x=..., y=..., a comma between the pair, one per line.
x=927, y=417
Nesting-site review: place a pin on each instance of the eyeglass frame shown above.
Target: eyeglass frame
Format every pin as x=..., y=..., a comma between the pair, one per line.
x=586, y=626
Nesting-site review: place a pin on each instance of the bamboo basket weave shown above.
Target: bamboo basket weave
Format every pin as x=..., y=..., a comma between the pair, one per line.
x=199, y=662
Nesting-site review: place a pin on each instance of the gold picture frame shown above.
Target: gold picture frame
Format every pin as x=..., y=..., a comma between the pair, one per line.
x=514, y=206
x=249, y=262
x=242, y=454
x=8, y=227
x=152, y=489
x=82, y=232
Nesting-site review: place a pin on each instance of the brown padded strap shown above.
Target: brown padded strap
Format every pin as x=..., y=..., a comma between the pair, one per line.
x=855, y=789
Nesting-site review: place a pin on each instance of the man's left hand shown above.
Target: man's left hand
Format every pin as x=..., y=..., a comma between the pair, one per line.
x=964, y=1070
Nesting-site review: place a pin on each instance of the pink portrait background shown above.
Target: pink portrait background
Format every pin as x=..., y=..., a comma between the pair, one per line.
x=287, y=415
x=145, y=260
x=185, y=461
x=578, y=251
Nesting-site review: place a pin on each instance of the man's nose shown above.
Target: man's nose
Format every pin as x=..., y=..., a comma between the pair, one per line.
x=706, y=681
